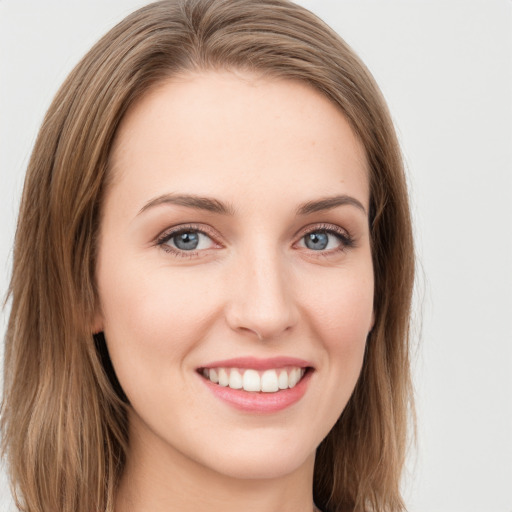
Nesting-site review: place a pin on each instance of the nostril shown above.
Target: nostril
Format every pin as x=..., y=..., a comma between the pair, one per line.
x=254, y=331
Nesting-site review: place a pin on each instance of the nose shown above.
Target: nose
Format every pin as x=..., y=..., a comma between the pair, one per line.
x=262, y=302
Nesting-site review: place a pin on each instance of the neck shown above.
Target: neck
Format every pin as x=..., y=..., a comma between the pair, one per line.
x=162, y=479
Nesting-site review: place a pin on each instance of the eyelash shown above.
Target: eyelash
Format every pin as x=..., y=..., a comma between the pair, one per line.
x=169, y=234
x=345, y=239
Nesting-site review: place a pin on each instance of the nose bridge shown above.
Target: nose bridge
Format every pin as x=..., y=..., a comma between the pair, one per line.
x=262, y=300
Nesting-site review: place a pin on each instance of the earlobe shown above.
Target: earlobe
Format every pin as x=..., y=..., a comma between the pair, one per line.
x=372, y=323
x=97, y=323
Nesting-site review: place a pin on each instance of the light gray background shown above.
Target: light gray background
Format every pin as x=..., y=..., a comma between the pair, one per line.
x=445, y=67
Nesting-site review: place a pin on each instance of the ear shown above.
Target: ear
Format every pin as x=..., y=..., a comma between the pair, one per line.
x=372, y=323
x=97, y=322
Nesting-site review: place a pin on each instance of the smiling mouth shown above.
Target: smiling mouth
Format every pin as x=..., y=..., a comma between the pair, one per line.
x=255, y=381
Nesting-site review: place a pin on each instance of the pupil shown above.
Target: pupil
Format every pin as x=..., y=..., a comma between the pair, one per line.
x=317, y=241
x=186, y=241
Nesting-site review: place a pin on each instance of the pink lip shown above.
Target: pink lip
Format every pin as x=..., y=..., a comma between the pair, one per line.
x=254, y=402
x=259, y=364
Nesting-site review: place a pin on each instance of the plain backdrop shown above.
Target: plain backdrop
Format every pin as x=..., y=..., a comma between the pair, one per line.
x=445, y=67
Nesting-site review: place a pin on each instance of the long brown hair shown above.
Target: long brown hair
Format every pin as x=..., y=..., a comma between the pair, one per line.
x=63, y=422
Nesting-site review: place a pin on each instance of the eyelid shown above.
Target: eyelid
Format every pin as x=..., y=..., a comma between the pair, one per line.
x=322, y=226
x=168, y=233
x=346, y=239
x=201, y=228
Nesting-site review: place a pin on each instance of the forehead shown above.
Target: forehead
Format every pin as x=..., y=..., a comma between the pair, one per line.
x=231, y=129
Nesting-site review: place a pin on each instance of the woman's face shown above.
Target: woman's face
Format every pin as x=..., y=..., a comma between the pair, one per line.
x=234, y=260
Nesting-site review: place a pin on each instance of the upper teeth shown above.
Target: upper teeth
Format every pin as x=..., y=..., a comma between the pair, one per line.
x=268, y=381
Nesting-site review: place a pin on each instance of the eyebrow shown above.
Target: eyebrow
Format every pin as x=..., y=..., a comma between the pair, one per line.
x=328, y=203
x=215, y=206
x=190, y=201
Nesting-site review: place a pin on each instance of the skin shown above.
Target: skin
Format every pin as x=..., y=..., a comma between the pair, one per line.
x=263, y=147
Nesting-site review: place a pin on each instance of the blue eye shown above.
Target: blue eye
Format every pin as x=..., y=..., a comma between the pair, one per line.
x=325, y=240
x=316, y=241
x=186, y=240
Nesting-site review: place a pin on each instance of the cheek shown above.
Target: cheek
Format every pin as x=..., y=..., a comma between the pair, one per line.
x=152, y=314
x=341, y=313
x=341, y=306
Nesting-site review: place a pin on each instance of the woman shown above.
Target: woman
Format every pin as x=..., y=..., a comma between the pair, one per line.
x=212, y=274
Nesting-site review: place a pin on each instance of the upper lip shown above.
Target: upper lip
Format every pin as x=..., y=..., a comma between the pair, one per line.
x=259, y=363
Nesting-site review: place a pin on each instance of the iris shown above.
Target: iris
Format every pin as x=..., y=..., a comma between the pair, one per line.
x=316, y=241
x=187, y=241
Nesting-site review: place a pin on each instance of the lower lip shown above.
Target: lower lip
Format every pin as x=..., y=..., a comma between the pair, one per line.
x=260, y=402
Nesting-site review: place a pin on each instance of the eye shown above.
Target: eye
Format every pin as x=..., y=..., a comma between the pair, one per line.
x=319, y=241
x=185, y=240
x=326, y=240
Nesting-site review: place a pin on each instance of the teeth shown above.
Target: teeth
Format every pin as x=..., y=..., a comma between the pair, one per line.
x=235, y=379
x=213, y=375
x=223, y=377
x=294, y=377
x=283, y=380
x=252, y=381
x=268, y=381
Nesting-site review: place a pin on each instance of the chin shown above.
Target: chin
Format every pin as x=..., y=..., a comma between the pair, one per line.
x=261, y=464
x=267, y=453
